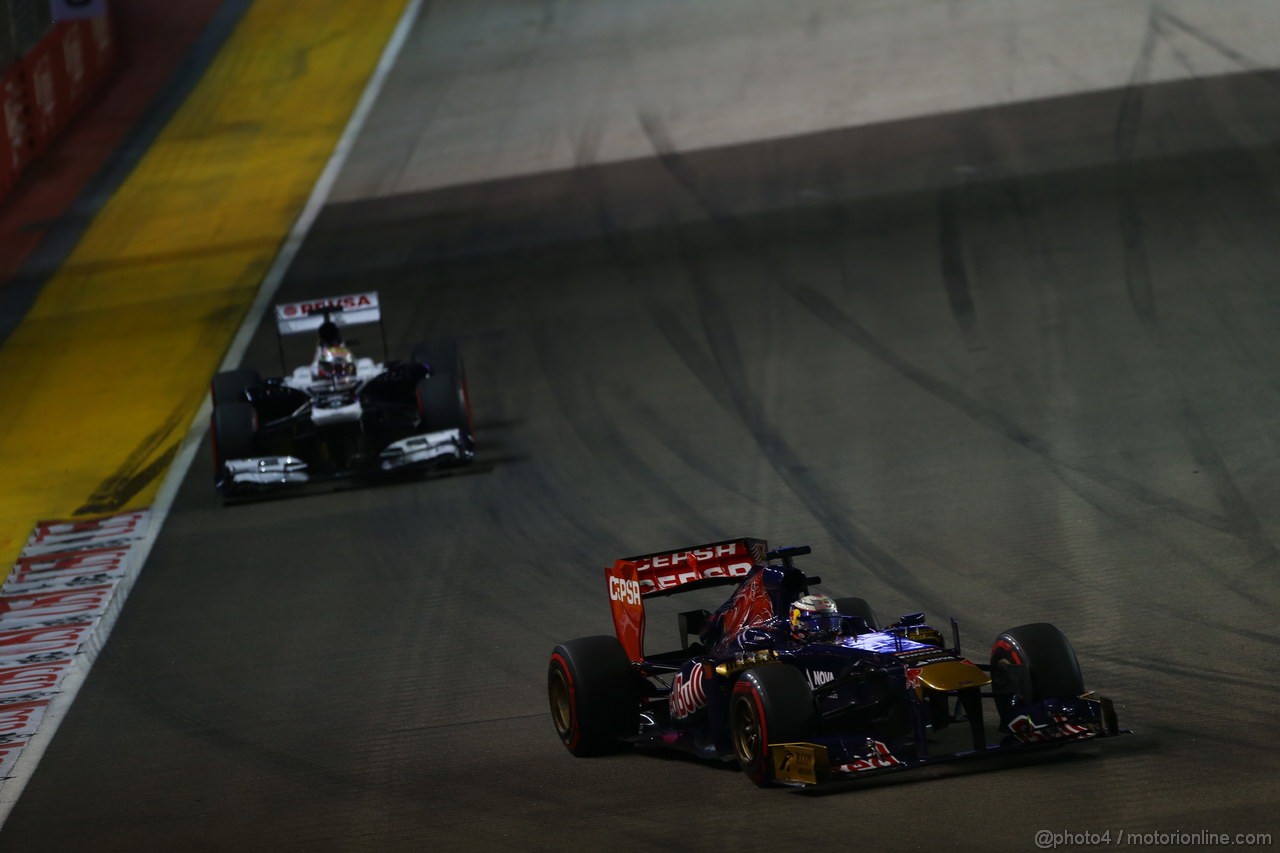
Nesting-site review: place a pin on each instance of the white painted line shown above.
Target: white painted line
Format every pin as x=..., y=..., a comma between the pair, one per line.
x=11, y=788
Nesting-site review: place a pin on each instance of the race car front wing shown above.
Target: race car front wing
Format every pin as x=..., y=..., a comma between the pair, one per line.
x=428, y=447
x=1052, y=722
x=444, y=446
x=266, y=470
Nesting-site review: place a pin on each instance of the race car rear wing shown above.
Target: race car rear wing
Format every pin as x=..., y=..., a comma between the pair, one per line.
x=293, y=318
x=633, y=579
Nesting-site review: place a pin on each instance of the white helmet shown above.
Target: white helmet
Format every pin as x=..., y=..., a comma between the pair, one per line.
x=334, y=364
x=814, y=616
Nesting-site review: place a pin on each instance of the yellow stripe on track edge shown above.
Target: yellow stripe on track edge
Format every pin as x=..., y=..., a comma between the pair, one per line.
x=102, y=378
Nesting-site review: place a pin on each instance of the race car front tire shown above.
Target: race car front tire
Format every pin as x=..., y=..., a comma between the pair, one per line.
x=229, y=386
x=234, y=425
x=443, y=399
x=769, y=704
x=1032, y=663
x=594, y=695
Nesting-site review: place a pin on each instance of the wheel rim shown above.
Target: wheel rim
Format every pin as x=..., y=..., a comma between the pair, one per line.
x=561, y=712
x=746, y=730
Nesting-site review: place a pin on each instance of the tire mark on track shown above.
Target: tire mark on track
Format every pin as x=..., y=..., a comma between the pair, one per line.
x=1255, y=636
x=150, y=459
x=1141, y=290
x=982, y=414
x=835, y=317
x=724, y=369
x=955, y=275
x=1250, y=532
x=464, y=724
x=1187, y=737
x=990, y=418
x=1227, y=490
x=1188, y=673
x=135, y=473
x=1266, y=74
x=1128, y=125
x=721, y=375
x=669, y=436
x=601, y=437
x=616, y=244
x=191, y=725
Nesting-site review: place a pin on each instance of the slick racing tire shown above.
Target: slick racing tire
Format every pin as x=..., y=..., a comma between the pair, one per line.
x=769, y=704
x=443, y=401
x=1050, y=668
x=595, y=697
x=858, y=607
x=229, y=386
x=234, y=425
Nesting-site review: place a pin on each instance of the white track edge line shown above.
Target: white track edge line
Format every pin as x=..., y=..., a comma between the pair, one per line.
x=12, y=787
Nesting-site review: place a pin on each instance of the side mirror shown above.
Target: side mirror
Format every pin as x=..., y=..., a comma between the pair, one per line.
x=755, y=638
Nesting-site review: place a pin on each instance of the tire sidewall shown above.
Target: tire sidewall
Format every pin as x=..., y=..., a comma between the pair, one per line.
x=784, y=711
x=234, y=426
x=758, y=769
x=603, y=694
x=230, y=385
x=559, y=668
x=1052, y=668
x=442, y=404
x=444, y=401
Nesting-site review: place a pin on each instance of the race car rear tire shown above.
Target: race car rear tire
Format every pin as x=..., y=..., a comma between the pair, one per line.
x=854, y=606
x=443, y=399
x=229, y=386
x=1051, y=668
x=769, y=704
x=234, y=425
x=594, y=695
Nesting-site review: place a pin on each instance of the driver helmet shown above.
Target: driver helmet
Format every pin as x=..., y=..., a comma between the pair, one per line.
x=335, y=364
x=814, y=617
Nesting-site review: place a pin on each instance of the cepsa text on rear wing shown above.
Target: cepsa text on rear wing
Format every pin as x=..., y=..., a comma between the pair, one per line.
x=630, y=580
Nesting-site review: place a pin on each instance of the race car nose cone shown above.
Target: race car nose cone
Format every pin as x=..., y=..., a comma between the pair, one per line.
x=952, y=675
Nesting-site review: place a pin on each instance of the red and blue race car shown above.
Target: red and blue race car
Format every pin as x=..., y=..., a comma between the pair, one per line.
x=801, y=689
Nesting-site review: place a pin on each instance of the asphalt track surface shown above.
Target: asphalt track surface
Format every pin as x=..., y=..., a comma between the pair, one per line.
x=1032, y=383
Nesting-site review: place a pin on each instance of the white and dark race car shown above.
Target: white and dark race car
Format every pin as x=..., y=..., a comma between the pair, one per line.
x=339, y=416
